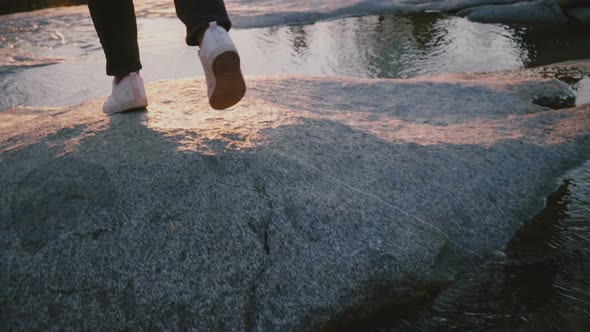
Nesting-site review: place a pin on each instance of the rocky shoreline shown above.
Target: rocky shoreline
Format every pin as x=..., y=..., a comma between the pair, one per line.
x=489, y=11
x=287, y=212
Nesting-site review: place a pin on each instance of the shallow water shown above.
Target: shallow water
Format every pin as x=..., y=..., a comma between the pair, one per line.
x=540, y=283
x=41, y=48
x=53, y=58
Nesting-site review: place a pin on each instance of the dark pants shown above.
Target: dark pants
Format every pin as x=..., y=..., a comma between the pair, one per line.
x=115, y=24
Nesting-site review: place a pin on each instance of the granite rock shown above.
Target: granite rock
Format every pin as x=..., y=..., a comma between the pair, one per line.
x=313, y=198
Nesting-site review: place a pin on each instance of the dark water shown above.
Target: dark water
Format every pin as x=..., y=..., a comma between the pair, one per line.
x=53, y=58
x=541, y=283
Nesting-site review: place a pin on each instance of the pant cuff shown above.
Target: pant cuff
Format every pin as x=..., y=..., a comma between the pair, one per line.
x=122, y=69
x=193, y=32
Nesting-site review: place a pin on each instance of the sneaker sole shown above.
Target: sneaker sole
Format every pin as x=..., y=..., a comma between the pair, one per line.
x=128, y=107
x=229, y=81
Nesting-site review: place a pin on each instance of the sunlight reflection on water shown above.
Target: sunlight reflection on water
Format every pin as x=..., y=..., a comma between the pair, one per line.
x=371, y=46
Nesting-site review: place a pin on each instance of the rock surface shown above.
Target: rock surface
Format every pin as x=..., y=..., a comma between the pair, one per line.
x=508, y=11
x=313, y=198
x=581, y=15
x=265, y=13
x=540, y=11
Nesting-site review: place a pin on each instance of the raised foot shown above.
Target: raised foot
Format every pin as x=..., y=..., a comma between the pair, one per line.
x=229, y=81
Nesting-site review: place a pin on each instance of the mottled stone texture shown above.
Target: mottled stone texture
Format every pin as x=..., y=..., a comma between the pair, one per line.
x=312, y=197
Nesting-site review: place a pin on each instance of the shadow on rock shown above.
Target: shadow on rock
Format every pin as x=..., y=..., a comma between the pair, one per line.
x=262, y=217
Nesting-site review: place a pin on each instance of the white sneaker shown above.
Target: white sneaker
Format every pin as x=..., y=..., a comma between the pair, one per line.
x=221, y=62
x=127, y=95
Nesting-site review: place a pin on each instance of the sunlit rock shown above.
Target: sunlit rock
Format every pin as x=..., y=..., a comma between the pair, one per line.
x=314, y=198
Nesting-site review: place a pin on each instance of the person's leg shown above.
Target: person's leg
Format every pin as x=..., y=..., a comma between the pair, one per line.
x=115, y=24
x=207, y=25
x=197, y=14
